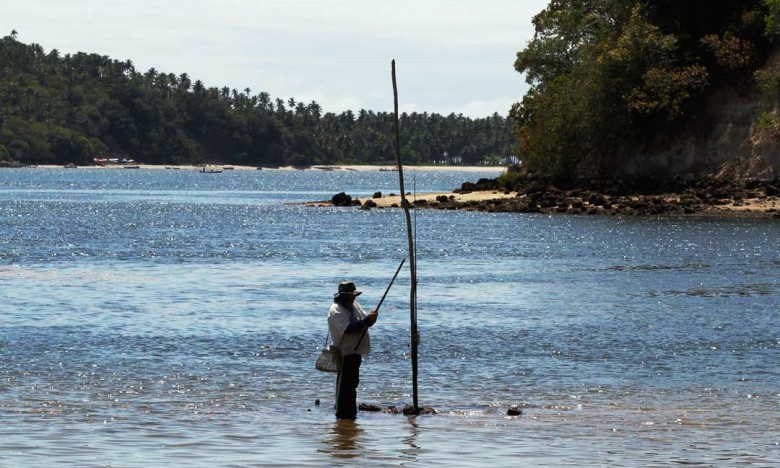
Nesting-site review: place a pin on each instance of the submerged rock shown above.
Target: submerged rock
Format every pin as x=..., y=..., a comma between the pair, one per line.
x=514, y=410
x=368, y=407
x=409, y=410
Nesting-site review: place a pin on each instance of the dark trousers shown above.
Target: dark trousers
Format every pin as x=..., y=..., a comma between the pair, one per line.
x=346, y=393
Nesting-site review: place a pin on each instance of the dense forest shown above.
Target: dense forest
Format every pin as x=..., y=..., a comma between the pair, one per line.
x=59, y=109
x=614, y=78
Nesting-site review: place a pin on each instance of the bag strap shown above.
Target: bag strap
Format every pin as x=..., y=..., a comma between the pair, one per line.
x=328, y=336
x=352, y=312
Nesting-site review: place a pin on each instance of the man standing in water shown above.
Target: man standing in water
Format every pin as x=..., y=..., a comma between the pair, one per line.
x=348, y=326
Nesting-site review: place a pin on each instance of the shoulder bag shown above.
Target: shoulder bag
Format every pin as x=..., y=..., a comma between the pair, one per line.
x=329, y=359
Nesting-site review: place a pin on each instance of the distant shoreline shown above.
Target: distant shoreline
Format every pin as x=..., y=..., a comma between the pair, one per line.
x=499, y=200
x=338, y=167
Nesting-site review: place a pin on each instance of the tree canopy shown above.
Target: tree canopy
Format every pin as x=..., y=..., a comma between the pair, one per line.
x=609, y=77
x=58, y=109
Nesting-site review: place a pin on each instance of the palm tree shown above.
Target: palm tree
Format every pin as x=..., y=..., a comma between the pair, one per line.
x=184, y=82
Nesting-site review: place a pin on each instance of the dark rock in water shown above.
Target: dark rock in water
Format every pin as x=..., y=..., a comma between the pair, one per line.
x=341, y=199
x=442, y=199
x=368, y=407
x=409, y=410
x=317, y=401
x=368, y=204
x=514, y=411
x=377, y=195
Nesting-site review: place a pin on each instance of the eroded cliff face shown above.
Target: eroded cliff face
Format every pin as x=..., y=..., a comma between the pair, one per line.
x=722, y=142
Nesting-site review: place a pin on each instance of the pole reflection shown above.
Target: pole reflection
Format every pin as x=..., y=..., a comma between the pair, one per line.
x=413, y=449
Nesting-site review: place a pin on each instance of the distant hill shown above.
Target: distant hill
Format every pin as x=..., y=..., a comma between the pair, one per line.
x=61, y=109
x=652, y=90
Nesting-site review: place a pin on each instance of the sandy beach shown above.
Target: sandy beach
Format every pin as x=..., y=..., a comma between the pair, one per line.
x=480, y=196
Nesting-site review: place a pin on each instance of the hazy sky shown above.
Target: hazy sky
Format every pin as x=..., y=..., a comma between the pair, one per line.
x=451, y=55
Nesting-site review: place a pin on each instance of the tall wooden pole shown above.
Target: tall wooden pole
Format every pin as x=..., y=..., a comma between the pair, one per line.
x=412, y=260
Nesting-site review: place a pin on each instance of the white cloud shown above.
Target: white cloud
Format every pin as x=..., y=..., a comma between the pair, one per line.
x=454, y=55
x=484, y=108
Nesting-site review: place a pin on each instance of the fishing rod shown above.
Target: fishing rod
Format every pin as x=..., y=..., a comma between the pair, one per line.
x=383, y=298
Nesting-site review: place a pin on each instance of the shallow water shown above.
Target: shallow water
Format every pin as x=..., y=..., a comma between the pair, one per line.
x=156, y=318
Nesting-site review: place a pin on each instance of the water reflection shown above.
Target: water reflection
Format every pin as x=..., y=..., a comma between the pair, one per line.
x=345, y=440
x=412, y=450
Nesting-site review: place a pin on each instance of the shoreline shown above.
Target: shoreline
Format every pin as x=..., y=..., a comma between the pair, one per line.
x=498, y=201
x=338, y=167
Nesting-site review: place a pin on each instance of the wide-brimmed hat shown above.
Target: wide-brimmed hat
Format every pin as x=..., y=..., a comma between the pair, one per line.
x=347, y=287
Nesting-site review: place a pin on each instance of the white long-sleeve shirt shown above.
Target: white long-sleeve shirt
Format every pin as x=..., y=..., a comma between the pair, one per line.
x=339, y=318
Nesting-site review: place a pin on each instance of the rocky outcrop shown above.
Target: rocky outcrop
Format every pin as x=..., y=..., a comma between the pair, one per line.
x=708, y=196
x=343, y=199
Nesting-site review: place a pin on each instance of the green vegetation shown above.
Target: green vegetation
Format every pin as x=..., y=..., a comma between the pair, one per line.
x=767, y=128
x=610, y=78
x=60, y=109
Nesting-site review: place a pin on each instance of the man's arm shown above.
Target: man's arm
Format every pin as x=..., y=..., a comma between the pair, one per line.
x=360, y=325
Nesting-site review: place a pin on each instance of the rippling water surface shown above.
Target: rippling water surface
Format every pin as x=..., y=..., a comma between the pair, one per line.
x=153, y=318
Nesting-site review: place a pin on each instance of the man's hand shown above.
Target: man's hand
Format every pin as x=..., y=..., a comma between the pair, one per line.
x=372, y=316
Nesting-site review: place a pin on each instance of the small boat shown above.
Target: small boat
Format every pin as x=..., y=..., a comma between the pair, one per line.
x=70, y=166
x=228, y=167
x=211, y=169
x=132, y=166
